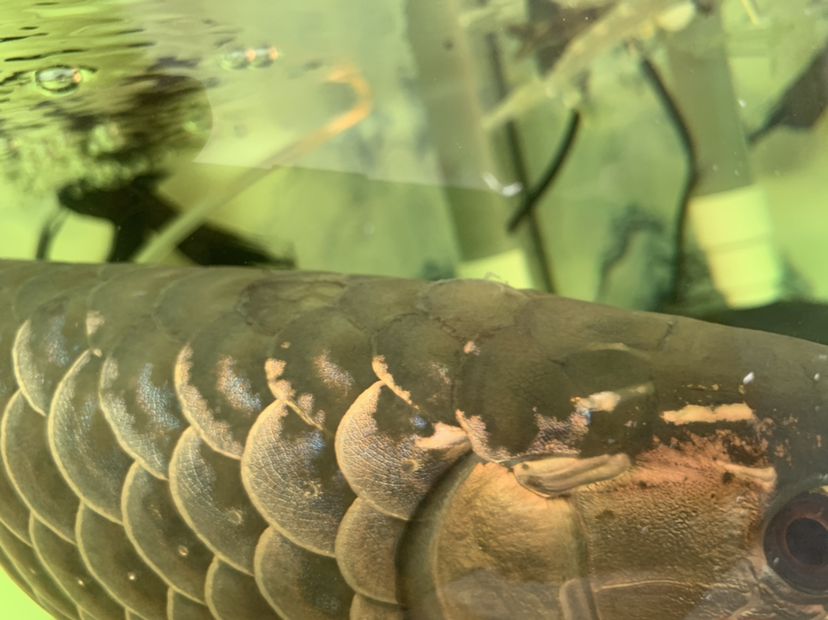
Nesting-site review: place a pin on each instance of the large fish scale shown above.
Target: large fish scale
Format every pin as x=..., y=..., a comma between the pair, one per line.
x=183, y=463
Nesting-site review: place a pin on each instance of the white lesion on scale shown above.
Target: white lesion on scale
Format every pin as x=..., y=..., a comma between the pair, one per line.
x=714, y=414
x=564, y=471
x=471, y=348
x=284, y=394
x=194, y=405
x=701, y=414
x=555, y=435
x=452, y=441
x=237, y=388
x=552, y=465
x=383, y=373
x=94, y=321
x=607, y=401
x=447, y=439
x=330, y=374
x=722, y=417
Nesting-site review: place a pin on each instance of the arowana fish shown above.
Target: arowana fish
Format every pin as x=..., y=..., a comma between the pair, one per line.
x=234, y=443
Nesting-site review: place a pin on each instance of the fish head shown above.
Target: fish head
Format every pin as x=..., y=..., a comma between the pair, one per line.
x=637, y=466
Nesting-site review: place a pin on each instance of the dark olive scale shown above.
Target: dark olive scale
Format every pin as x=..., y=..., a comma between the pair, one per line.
x=244, y=443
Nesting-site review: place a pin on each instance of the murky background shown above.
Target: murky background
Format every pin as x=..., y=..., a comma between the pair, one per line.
x=99, y=93
x=375, y=139
x=585, y=147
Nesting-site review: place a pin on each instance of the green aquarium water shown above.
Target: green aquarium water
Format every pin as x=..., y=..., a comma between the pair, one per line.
x=647, y=155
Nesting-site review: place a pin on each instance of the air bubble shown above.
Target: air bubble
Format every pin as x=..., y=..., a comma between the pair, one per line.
x=183, y=551
x=132, y=575
x=59, y=79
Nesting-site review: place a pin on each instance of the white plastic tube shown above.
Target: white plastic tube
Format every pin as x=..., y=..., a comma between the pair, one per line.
x=735, y=231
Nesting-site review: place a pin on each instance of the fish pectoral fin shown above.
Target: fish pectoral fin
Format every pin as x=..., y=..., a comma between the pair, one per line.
x=552, y=476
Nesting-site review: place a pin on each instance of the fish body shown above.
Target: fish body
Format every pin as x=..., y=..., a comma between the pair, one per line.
x=244, y=443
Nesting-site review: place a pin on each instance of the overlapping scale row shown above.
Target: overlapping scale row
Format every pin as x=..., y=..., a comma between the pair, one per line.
x=40, y=584
x=63, y=562
x=161, y=537
x=34, y=475
x=207, y=491
x=53, y=331
x=225, y=443
x=138, y=398
x=90, y=423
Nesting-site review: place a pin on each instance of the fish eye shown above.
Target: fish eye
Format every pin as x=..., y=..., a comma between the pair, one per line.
x=796, y=542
